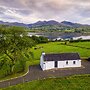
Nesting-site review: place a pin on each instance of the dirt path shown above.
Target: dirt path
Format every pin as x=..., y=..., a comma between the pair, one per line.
x=35, y=73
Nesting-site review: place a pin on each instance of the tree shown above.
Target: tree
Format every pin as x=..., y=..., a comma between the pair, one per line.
x=40, y=39
x=13, y=41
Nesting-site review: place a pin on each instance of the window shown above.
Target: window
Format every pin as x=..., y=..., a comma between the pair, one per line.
x=67, y=62
x=74, y=62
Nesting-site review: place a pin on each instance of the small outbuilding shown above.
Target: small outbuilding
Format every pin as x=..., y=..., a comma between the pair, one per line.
x=62, y=60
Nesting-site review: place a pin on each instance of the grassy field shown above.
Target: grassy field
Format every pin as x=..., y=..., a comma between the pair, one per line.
x=80, y=82
x=82, y=44
x=58, y=47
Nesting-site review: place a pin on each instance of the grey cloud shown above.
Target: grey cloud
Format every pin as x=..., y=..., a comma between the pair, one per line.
x=47, y=9
x=82, y=0
x=2, y=10
x=1, y=13
x=7, y=17
x=24, y=12
x=12, y=3
x=84, y=12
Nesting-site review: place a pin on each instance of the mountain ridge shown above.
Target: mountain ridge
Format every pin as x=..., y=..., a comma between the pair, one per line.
x=45, y=23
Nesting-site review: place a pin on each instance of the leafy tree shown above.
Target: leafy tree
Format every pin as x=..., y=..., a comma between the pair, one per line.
x=40, y=39
x=13, y=41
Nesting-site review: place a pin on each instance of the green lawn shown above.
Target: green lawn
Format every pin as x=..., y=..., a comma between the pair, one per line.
x=82, y=44
x=57, y=47
x=80, y=82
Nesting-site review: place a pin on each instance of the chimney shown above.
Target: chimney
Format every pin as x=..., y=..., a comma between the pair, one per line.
x=43, y=53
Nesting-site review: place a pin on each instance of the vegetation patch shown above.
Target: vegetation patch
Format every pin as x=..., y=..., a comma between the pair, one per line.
x=14, y=53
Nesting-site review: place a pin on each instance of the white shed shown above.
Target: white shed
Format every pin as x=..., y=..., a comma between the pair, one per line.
x=62, y=60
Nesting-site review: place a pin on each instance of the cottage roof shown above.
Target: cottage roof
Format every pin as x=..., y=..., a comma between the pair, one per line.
x=61, y=57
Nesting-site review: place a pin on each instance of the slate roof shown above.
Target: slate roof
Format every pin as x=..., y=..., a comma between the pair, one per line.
x=61, y=57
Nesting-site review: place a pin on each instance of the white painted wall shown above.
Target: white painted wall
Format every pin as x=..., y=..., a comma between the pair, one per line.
x=41, y=61
x=62, y=64
x=48, y=65
x=45, y=65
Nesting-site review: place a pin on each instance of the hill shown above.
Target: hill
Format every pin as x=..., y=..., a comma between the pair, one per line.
x=45, y=23
x=53, y=26
x=13, y=24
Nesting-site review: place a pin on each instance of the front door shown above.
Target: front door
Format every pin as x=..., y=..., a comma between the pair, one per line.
x=56, y=64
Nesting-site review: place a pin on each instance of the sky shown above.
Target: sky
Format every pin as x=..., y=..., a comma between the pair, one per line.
x=30, y=11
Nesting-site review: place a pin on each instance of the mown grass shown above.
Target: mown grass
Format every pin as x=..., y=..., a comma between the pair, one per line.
x=78, y=82
x=58, y=47
x=81, y=44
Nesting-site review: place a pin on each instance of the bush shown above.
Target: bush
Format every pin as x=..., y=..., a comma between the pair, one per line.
x=19, y=66
x=88, y=59
x=5, y=70
x=40, y=39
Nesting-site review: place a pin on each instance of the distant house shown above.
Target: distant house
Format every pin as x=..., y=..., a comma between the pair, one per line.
x=62, y=60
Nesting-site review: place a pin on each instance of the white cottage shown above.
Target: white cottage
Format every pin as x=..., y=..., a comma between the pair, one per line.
x=62, y=60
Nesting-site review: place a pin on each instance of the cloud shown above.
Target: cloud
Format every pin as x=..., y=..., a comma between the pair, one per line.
x=29, y=11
